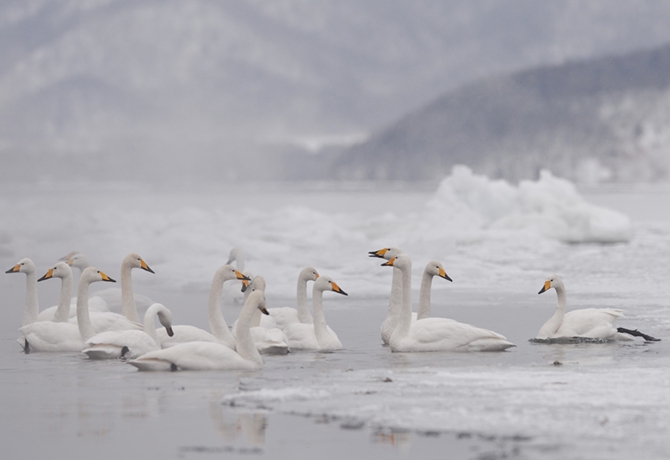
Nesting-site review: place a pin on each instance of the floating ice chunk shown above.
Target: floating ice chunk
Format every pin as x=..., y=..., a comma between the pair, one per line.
x=466, y=203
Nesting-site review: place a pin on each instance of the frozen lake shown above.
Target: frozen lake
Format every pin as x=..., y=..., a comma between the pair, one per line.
x=535, y=401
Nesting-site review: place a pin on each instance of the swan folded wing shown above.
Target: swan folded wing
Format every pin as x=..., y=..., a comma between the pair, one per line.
x=108, y=321
x=589, y=322
x=113, y=343
x=95, y=304
x=284, y=316
x=301, y=336
x=269, y=341
x=447, y=334
x=184, y=333
x=50, y=336
x=195, y=356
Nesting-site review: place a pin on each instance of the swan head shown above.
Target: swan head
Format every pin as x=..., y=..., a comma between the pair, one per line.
x=92, y=274
x=165, y=318
x=258, y=299
x=228, y=272
x=554, y=281
x=133, y=260
x=236, y=255
x=258, y=284
x=309, y=274
x=386, y=253
x=23, y=266
x=69, y=256
x=78, y=260
x=326, y=283
x=401, y=261
x=434, y=268
x=246, y=283
x=60, y=270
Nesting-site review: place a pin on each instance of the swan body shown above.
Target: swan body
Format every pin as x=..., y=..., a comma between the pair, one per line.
x=391, y=321
x=130, y=343
x=210, y=355
x=220, y=332
x=65, y=336
x=95, y=304
x=284, y=316
x=436, y=334
x=589, y=322
x=316, y=336
x=268, y=340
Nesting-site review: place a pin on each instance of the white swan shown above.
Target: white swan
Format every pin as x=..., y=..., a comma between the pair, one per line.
x=268, y=340
x=130, y=344
x=317, y=336
x=111, y=298
x=220, y=332
x=391, y=321
x=436, y=334
x=284, y=316
x=210, y=355
x=51, y=336
x=32, y=308
x=128, y=307
x=596, y=323
x=433, y=268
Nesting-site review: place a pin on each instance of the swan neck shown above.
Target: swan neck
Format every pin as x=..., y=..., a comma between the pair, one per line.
x=424, y=296
x=149, y=326
x=62, y=314
x=217, y=323
x=245, y=346
x=405, y=318
x=83, y=317
x=395, y=301
x=303, y=307
x=128, y=307
x=256, y=318
x=320, y=327
x=32, y=308
x=554, y=323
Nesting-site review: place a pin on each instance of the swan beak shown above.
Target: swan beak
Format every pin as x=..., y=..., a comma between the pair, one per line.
x=337, y=289
x=70, y=261
x=49, y=274
x=241, y=276
x=14, y=269
x=169, y=331
x=245, y=285
x=144, y=266
x=316, y=276
x=263, y=310
x=444, y=275
x=389, y=263
x=379, y=253
x=106, y=278
x=546, y=287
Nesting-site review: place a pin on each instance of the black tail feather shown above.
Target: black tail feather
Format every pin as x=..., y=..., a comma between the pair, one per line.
x=26, y=347
x=637, y=333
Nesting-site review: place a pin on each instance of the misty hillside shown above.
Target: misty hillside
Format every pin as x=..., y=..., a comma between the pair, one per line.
x=598, y=120
x=118, y=89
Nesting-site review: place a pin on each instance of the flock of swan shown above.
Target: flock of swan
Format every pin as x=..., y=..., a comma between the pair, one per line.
x=86, y=324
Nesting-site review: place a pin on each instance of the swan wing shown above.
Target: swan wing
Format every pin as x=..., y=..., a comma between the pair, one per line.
x=589, y=322
x=442, y=334
x=301, y=336
x=193, y=356
x=270, y=341
x=110, y=344
x=184, y=333
x=284, y=316
x=50, y=336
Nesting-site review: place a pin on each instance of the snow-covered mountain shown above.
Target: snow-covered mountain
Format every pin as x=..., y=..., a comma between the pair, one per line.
x=129, y=89
x=606, y=119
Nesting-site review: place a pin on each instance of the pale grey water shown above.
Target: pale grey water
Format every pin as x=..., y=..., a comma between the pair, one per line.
x=534, y=401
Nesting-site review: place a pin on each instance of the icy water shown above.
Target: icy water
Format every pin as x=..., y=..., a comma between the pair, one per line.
x=535, y=401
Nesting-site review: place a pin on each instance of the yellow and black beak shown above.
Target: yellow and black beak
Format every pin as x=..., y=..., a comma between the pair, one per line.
x=241, y=276
x=49, y=274
x=144, y=266
x=444, y=275
x=245, y=285
x=389, y=263
x=263, y=310
x=14, y=269
x=546, y=287
x=70, y=261
x=169, y=331
x=337, y=289
x=379, y=253
x=106, y=278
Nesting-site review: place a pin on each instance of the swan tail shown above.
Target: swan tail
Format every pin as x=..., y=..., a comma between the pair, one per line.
x=636, y=333
x=491, y=344
x=104, y=351
x=153, y=364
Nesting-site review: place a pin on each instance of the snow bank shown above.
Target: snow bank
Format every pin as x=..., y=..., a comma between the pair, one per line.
x=466, y=203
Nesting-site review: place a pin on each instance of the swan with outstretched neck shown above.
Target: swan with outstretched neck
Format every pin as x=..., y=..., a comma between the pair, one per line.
x=433, y=268
x=391, y=321
x=32, y=307
x=596, y=323
x=65, y=336
x=211, y=355
x=130, y=344
x=285, y=316
x=316, y=336
x=436, y=334
x=219, y=327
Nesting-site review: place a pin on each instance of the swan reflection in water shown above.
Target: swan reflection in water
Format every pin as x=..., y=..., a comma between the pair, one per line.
x=232, y=424
x=399, y=439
